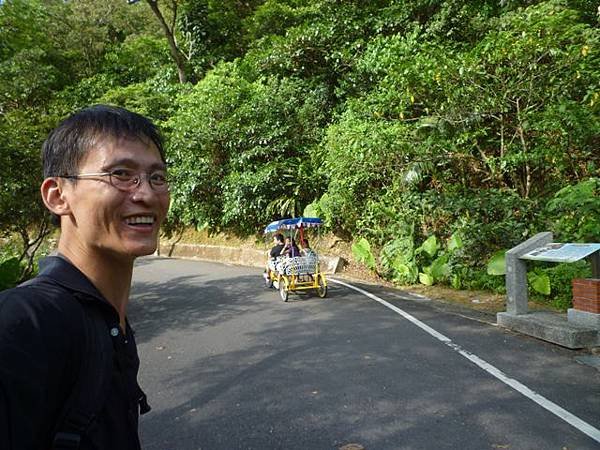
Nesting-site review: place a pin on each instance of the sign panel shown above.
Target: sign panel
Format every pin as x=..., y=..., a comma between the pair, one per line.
x=561, y=253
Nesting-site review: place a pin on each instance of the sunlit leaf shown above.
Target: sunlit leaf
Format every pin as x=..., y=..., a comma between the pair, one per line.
x=497, y=263
x=430, y=246
x=540, y=283
x=425, y=279
x=361, y=250
x=455, y=242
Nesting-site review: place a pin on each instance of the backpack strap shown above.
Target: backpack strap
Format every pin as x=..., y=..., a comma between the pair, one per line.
x=91, y=388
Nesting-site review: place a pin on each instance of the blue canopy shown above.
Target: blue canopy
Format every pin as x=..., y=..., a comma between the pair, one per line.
x=296, y=222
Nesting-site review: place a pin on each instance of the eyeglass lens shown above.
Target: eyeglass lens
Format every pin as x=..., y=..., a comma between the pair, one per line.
x=128, y=181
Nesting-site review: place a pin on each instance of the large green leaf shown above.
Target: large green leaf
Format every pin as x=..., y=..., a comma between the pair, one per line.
x=497, y=263
x=361, y=250
x=540, y=282
x=425, y=279
x=455, y=242
x=405, y=272
x=439, y=268
x=310, y=211
x=430, y=246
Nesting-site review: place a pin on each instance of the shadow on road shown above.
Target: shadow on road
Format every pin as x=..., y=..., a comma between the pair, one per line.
x=317, y=374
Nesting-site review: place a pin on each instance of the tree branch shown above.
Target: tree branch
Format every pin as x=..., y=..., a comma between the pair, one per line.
x=176, y=53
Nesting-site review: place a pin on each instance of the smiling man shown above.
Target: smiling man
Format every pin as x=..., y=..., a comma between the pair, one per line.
x=68, y=359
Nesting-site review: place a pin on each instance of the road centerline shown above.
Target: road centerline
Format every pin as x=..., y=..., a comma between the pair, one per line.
x=548, y=405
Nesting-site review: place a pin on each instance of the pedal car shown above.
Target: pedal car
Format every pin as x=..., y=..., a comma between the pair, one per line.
x=295, y=273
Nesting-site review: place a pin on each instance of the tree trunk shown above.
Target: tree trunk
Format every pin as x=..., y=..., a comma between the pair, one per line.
x=169, y=34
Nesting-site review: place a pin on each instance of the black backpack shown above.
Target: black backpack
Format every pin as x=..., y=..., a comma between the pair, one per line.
x=90, y=391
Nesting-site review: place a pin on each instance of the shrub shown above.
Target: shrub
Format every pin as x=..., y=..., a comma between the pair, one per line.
x=560, y=278
x=10, y=272
x=574, y=212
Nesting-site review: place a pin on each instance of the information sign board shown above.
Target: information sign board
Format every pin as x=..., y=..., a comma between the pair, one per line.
x=561, y=253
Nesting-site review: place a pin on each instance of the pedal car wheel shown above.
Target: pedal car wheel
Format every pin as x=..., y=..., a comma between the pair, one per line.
x=322, y=288
x=283, y=292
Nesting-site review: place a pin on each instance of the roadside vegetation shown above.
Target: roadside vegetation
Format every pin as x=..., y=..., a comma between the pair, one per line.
x=429, y=135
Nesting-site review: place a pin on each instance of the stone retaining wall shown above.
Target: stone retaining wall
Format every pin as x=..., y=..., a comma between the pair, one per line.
x=235, y=255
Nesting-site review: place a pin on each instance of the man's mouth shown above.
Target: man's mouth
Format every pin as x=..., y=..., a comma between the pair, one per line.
x=141, y=221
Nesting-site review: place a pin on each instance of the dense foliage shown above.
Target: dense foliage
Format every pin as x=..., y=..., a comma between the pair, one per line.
x=473, y=124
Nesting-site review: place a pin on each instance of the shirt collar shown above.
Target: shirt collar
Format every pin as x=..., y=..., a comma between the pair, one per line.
x=61, y=270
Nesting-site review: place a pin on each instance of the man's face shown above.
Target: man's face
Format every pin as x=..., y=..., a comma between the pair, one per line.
x=105, y=219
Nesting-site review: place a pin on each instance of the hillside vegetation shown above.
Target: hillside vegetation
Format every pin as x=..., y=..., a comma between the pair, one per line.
x=432, y=134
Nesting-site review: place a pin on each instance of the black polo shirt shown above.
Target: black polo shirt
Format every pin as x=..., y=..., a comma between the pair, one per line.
x=42, y=342
x=276, y=250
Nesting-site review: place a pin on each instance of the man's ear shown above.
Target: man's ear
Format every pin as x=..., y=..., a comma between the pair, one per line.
x=53, y=197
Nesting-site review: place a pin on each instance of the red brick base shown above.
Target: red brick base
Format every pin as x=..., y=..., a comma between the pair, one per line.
x=586, y=295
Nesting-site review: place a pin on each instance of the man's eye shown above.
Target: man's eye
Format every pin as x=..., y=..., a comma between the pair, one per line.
x=158, y=178
x=122, y=174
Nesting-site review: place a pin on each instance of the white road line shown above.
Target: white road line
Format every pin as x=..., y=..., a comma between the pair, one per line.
x=565, y=415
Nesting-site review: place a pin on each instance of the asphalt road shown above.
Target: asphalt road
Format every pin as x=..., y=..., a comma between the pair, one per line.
x=227, y=365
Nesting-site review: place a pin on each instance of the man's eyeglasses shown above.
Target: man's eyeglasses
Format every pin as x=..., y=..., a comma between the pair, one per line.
x=128, y=180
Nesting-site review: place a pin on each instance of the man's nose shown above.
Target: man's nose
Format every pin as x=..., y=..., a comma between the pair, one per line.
x=143, y=188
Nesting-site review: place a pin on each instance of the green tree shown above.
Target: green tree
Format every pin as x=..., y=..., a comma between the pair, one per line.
x=22, y=214
x=240, y=149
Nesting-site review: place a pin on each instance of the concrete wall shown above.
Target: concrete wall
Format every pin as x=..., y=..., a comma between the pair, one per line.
x=235, y=255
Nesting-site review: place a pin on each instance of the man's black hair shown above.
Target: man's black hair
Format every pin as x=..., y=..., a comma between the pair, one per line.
x=279, y=237
x=70, y=141
x=79, y=133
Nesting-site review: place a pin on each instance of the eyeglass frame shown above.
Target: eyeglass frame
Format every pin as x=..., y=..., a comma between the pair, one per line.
x=137, y=180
